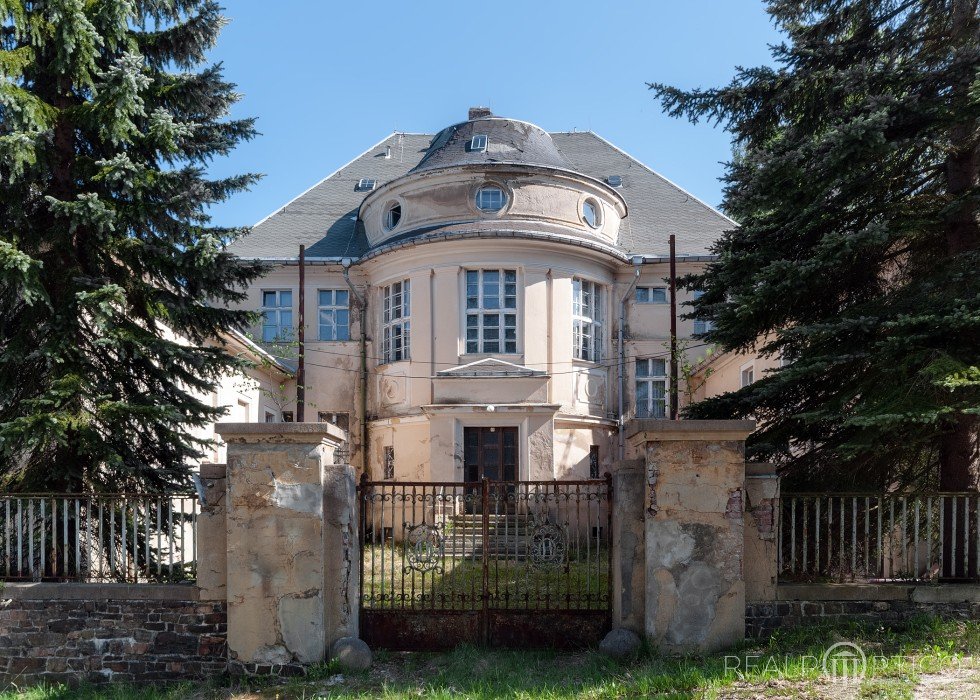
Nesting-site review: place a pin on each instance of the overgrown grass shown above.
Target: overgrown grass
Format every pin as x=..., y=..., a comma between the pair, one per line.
x=788, y=666
x=582, y=581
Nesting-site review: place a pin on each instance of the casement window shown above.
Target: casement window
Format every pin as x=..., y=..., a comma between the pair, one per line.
x=389, y=462
x=333, y=311
x=270, y=417
x=587, y=320
x=747, y=374
x=491, y=311
x=277, y=315
x=651, y=295
x=593, y=461
x=700, y=325
x=395, y=321
x=651, y=388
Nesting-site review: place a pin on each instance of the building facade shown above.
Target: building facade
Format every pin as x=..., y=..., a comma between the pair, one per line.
x=491, y=301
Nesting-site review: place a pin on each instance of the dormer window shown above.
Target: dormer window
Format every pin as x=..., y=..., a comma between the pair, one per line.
x=490, y=199
x=478, y=143
x=365, y=184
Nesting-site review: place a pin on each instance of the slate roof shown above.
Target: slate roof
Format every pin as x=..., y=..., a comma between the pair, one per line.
x=323, y=217
x=508, y=141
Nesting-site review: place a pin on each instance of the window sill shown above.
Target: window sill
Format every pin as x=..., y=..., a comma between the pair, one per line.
x=588, y=364
x=383, y=366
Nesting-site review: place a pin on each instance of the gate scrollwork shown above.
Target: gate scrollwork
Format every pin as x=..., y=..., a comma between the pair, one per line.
x=424, y=548
x=547, y=546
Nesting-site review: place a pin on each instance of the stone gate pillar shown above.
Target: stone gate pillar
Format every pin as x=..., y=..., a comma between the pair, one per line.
x=292, y=544
x=694, y=535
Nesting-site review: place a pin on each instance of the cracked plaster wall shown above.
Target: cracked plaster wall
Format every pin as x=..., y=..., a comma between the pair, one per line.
x=695, y=594
x=290, y=548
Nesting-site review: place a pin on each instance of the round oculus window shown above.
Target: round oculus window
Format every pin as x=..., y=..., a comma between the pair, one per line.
x=490, y=199
x=592, y=213
x=393, y=214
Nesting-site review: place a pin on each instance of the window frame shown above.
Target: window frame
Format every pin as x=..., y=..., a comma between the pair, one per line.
x=389, y=211
x=596, y=206
x=475, y=317
x=747, y=367
x=333, y=308
x=649, y=299
x=402, y=322
x=278, y=310
x=701, y=326
x=486, y=188
x=479, y=146
x=587, y=331
x=388, y=463
x=366, y=184
x=649, y=378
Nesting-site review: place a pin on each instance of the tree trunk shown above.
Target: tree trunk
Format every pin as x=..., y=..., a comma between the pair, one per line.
x=959, y=448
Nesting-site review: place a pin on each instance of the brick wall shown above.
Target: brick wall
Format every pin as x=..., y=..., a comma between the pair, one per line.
x=887, y=605
x=64, y=633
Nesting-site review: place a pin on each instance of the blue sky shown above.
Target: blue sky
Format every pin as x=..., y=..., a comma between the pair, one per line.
x=328, y=79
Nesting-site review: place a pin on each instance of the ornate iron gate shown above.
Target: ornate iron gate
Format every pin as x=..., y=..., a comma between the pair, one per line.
x=497, y=563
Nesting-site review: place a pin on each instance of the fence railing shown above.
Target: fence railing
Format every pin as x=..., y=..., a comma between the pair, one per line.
x=98, y=538
x=875, y=537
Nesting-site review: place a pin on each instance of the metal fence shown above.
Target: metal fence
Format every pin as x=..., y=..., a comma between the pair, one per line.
x=874, y=537
x=98, y=538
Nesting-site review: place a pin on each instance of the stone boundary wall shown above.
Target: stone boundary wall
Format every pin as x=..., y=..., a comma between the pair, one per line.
x=888, y=605
x=68, y=632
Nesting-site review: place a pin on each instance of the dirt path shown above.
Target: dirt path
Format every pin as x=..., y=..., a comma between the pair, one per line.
x=954, y=684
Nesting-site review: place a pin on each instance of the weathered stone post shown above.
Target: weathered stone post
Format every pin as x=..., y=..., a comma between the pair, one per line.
x=761, y=527
x=292, y=542
x=628, y=580
x=695, y=590
x=212, y=535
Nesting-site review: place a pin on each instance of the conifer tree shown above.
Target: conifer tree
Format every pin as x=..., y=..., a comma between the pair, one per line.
x=857, y=259
x=113, y=281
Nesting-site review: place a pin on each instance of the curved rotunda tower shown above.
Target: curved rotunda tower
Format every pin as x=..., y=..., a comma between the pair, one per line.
x=463, y=298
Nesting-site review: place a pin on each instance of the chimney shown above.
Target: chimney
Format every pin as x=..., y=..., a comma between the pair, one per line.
x=479, y=113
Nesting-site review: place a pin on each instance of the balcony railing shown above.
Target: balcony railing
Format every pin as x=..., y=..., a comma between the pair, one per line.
x=875, y=537
x=98, y=538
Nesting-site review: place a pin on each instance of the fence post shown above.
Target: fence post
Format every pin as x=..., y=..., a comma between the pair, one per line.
x=762, y=512
x=286, y=601
x=628, y=553
x=695, y=474
x=212, y=536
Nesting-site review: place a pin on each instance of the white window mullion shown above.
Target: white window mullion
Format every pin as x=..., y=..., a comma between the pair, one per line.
x=487, y=323
x=396, y=321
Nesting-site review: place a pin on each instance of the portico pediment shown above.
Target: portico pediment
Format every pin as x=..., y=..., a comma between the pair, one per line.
x=490, y=367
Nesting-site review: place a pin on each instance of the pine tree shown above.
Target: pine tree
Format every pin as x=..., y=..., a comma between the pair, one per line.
x=857, y=259
x=113, y=281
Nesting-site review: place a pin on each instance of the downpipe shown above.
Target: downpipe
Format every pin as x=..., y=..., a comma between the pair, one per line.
x=621, y=365
x=362, y=307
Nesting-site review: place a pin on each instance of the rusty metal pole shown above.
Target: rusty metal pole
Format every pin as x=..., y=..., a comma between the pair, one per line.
x=301, y=362
x=486, y=560
x=673, y=398
x=608, y=541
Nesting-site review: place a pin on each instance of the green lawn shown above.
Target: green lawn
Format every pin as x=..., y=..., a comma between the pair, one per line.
x=914, y=654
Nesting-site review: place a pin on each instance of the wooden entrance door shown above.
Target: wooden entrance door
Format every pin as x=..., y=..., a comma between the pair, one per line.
x=490, y=453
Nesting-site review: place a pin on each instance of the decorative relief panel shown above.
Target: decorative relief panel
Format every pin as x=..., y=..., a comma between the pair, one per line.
x=392, y=390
